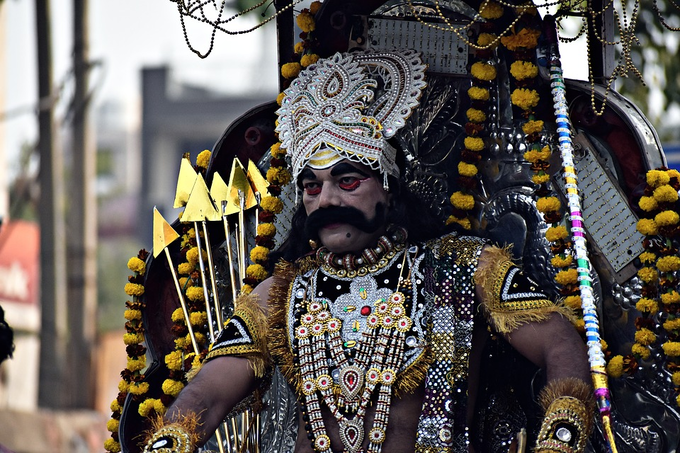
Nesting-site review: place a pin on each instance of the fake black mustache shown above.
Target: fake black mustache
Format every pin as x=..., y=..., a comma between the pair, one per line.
x=344, y=214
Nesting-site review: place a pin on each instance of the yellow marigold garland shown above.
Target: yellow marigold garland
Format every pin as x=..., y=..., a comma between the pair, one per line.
x=133, y=375
x=659, y=264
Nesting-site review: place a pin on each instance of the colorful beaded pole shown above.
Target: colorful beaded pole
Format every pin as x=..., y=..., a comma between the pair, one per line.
x=592, y=327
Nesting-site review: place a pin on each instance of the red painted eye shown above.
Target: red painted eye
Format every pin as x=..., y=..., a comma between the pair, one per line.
x=312, y=188
x=350, y=182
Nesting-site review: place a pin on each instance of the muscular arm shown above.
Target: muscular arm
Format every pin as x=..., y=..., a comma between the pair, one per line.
x=552, y=344
x=220, y=384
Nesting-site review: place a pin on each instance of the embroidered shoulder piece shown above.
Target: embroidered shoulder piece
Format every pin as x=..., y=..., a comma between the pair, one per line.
x=509, y=297
x=244, y=335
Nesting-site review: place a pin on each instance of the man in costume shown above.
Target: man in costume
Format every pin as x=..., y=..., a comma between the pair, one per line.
x=375, y=318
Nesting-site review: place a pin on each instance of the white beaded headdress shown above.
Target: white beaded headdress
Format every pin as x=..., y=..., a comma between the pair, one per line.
x=347, y=106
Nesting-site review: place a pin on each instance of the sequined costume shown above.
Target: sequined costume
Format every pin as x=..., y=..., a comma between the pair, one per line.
x=388, y=346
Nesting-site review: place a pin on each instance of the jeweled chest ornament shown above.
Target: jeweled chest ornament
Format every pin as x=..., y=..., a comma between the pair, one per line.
x=378, y=355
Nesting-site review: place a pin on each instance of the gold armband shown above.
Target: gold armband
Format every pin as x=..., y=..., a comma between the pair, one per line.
x=177, y=437
x=569, y=409
x=509, y=297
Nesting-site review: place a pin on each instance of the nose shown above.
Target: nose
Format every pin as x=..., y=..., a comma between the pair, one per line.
x=329, y=196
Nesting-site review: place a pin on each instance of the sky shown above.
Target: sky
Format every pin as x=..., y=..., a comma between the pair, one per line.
x=126, y=35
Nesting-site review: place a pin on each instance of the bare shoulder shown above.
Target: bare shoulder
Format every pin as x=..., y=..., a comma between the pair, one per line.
x=261, y=293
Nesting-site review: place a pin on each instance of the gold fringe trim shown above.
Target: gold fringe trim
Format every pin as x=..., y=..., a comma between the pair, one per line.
x=571, y=386
x=490, y=275
x=247, y=308
x=191, y=374
x=413, y=376
x=186, y=422
x=279, y=346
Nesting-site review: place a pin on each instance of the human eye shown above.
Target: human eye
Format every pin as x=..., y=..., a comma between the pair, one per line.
x=311, y=187
x=349, y=182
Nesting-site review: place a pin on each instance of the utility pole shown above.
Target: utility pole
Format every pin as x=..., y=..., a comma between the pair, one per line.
x=81, y=236
x=53, y=332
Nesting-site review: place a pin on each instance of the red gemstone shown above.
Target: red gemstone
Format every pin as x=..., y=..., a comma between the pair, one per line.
x=365, y=310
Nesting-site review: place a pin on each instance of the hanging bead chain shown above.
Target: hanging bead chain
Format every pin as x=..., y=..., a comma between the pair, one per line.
x=376, y=364
x=193, y=9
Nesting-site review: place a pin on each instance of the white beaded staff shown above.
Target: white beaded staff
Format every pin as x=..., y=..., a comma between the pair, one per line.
x=564, y=132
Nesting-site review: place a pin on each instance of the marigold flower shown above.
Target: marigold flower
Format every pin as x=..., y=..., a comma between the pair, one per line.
x=492, y=10
x=198, y=318
x=136, y=364
x=271, y=204
x=138, y=388
x=203, y=158
x=548, y=204
x=177, y=315
x=535, y=155
x=487, y=40
x=278, y=175
x=132, y=338
x=645, y=337
x=675, y=377
x=483, y=71
x=673, y=173
x=615, y=367
x=567, y=277
x=540, y=178
x=195, y=294
x=172, y=387
x=647, y=227
x=656, y=178
x=181, y=343
x=115, y=406
x=526, y=39
x=314, y=7
x=573, y=302
x=131, y=315
x=200, y=338
x=136, y=265
x=279, y=98
x=531, y=127
x=276, y=151
x=521, y=70
x=667, y=218
x=580, y=325
x=648, y=274
x=151, y=404
x=173, y=360
x=640, y=351
x=671, y=348
x=648, y=204
x=671, y=324
x=647, y=257
x=474, y=143
x=192, y=255
x=309, y=59
x=555, y=233
x=246, y=289
x=185, y=268
x=134, y=289
x=463, y=201
x=299, y=47
x=259, y=254
x=291, y=70
x=524, y=98
x=665, y=194
x=185, y=282
x=561, y=261
x=305, y=21
x=475, y=115
x=646, y=305
x=257, y=272
x=111, y=445
x=123, y=386
x=668, y=264
x=112, y=425
x=670, y=297
x=478, y=94
x=266, y=229
x=465, y=222
x=465, y=169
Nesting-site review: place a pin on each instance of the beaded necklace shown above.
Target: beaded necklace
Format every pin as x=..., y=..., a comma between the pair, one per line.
x=379, y=354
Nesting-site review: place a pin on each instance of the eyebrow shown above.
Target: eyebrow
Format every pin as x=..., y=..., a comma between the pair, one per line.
x=344, y=167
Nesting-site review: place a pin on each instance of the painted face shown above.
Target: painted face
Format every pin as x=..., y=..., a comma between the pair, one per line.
x=346, y=206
